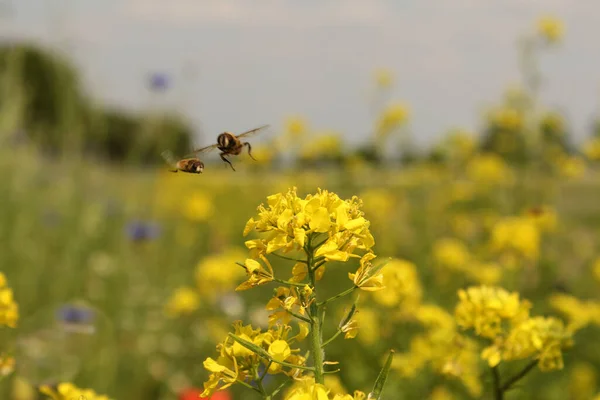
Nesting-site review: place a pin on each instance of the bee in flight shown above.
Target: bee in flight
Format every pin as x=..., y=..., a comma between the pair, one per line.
x=231, y=144
x=190, y=165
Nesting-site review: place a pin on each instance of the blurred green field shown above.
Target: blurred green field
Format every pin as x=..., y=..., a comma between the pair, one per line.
x=125, y=274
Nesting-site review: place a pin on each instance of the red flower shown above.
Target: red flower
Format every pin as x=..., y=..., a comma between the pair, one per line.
x=194, y=394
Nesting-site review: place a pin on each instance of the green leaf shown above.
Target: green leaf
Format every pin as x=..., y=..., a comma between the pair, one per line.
x=251, y=346
x=349, y=314
x=380, y=382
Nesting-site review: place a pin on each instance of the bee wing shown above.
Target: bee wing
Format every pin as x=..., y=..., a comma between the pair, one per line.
x=205, y=149
x=252, y=132
x=168, y=156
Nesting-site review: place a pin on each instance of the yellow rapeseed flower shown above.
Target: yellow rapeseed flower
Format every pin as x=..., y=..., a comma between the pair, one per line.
x=517, y=235
x=289, y=223
x=393, y=117
x=550, y=28
x=183, y=301
x=485, y=308
x=68, y=391
x=198, y=206
x=571, y=166
x=384, y=78
x=583, y=381
x=538, y=337
x=508, y=119
x=579, y=313
x=488, y=170
x=7, y=365
x=9, y=310
x=367, y=277
x=451, y=253
x=403, y=287
x=218, y=273
x=591, y=149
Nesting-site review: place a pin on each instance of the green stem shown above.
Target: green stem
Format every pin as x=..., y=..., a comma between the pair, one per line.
x=290, y=258
x=331, y=339
x=518, y=376
x=248, y=386
x=337, y=296
x=289, y=283
x=300, y=317
x=315, y=337
x=498, y=392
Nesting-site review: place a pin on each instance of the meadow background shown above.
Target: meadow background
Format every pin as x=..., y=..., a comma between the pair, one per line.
x=124, y=273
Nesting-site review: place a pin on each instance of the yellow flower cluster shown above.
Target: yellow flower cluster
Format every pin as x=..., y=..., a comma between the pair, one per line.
x=487, y=170
x=550, y=28
x=403, y=287
x=448, y=352
x=516, y=238
x=452, y=254
x=306, y=389
x=238, y=363
x=322, y=224
x=508, y=119
x=325, y=145
x=68, y=391
x=591, y=149
x=9, y=310
x=217, y=274
x=484, y=309
x=579, y=313
x=183, y=301
x=495, y=314
x=393, y=117
x=289, y=220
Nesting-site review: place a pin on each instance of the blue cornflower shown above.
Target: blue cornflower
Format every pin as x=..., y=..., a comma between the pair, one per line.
x=140, y=231
x=76, y=318
x=159, y=82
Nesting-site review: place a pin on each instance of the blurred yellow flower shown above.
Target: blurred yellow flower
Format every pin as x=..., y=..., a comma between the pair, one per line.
x=550, y=28
x=384, y=78
x=591, y=149
x=68, y=391
x=402, y=286
x=583, y=381
x=263, y=155
x=441, y=393
x=571, y=166
x=198, y=206
x=368, y=325
x=538, y=337
x=218, y=273
x=183, y=301
x=296, y=126
x=451, y=253
x=7, y=365
x=508, y=119
x=518, y=235
x=578, y=312
x=488, y=169
x=9, y=310
x=323, y=145
x=544, y=217
x=393, y=117
x=596, y=269
x=554, y=123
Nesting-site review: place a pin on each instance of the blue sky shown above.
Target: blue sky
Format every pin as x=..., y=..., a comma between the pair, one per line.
x=237, y=64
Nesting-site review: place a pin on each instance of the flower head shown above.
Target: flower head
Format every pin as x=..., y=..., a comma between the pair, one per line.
x=550, y=28
x=9, y=310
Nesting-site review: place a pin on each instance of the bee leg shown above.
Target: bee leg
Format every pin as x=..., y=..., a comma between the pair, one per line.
x=173, y=170
x=227, y=161
x=249, y=150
